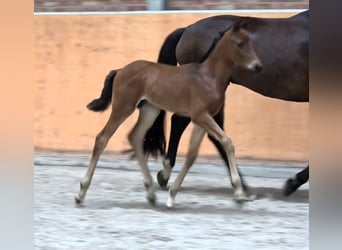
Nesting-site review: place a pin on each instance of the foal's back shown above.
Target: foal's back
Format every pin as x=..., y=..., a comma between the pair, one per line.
x=176, y=89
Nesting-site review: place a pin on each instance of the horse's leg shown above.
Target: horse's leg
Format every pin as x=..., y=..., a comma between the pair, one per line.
x=147, y=115
x=195, y=142
x=115, y=120
x=219, y=119
x=178, y=125
x=294, y=183
x=208, y=123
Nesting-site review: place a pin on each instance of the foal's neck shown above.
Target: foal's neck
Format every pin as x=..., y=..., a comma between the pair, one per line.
x=219, y=64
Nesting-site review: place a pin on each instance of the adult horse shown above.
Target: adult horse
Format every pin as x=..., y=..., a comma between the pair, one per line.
x=282, y=45
x=193, y=90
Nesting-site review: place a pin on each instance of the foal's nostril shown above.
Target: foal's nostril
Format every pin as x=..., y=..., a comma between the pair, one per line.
x=257, y=67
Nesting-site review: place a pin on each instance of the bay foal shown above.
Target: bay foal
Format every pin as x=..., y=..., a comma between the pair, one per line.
x=193, y=90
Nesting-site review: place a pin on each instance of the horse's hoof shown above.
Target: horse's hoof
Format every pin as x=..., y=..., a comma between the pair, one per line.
x=161, y=181
x=290, y=187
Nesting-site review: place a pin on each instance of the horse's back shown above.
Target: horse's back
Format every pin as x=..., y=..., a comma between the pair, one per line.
x=198, y=37
x=280, y=43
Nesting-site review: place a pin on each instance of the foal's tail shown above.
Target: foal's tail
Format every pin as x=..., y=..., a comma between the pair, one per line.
x=154, y=142
x=102, y=103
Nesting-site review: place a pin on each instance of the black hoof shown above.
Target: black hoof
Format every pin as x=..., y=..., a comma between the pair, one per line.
x=290, y=187
x=161, y=181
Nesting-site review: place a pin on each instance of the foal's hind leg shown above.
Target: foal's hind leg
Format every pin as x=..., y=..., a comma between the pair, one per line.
x=195, y=142
x=147, y=115
x=209, y=124
x=101, y=141
x=178, y=125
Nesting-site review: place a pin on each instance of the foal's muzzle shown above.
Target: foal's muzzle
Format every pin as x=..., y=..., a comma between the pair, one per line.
x=256, y=67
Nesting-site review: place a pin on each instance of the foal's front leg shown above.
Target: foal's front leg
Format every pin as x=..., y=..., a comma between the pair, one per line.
x=209, y=124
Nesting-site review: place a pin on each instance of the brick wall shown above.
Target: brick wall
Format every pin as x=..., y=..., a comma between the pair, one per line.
x=237, y=4
x=89, y=5
x=134, y=5
x=73, y=54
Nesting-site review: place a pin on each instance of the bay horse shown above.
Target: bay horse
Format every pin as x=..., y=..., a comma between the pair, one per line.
x=282, y=45
x=195, y=90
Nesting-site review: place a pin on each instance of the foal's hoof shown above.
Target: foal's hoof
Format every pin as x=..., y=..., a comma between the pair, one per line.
x=241, y=200
x=170, y=203
x=171, y=200
x=161, y=181
x=290, y=187
x=152, y=200
x=242, y=197
x=78, y=200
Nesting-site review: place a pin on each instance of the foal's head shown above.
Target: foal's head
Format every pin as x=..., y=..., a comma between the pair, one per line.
x=240, y=47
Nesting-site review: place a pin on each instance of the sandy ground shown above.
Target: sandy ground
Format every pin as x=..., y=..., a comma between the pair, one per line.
x=116, y=214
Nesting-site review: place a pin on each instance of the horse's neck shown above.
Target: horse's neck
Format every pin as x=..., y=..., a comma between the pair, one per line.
x=219, y=65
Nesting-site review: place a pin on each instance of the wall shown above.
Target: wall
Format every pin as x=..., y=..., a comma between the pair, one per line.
x=236, y=4
x=133, y=5
x=73, y=54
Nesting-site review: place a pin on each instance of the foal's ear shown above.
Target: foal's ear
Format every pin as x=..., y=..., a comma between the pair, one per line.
x=241, y=23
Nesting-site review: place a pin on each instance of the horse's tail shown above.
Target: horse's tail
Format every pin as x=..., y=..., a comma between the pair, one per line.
x=102, y=103
x=154, y=142
x=167, y=53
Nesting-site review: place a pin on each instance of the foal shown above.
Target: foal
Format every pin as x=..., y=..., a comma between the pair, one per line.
x=193, y=90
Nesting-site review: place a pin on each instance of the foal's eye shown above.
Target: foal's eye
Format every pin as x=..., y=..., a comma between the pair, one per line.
x=240, y=45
